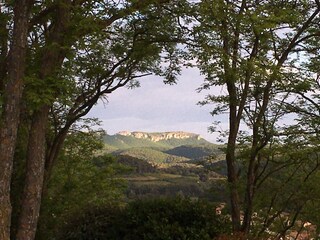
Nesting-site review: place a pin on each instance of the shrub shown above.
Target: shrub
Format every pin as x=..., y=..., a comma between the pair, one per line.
x=157, y=219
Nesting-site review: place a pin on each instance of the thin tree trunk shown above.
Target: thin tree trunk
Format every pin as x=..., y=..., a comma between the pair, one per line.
x=257, y=145
x=250, y=191
x=234, y=123
x=233, y=175
x=11, y=110
x=233, y=126
x=51, y=157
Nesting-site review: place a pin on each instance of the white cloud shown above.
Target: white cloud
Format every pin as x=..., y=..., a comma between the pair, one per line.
x=158, y=107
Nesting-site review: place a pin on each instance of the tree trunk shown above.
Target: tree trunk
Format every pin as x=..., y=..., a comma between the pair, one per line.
x=256, y=146
x=3, y=49
x=52, y=59
x=250, y=191
x=51, y=157
x=233, y=120
x=233, y=179
x=34, y=179
x=11, y=110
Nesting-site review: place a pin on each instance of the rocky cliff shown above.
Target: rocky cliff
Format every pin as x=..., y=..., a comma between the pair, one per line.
x=156, y=137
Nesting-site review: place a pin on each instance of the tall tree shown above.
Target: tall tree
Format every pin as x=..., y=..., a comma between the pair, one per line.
x=12, y=88
x=51, y=58
x=87, y=50
x=248, y=48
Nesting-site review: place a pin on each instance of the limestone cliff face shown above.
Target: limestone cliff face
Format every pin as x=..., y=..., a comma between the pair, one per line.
x=156, y=137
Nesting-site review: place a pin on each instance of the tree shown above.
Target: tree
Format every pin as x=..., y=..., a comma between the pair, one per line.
x=252, y=49
x=65, y=39
x=11, y=81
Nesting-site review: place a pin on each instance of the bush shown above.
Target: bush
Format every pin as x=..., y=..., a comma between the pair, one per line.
x=158, y=219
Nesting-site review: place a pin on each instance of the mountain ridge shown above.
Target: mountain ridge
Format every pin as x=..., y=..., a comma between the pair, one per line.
x=158, y=140
x=159, y=136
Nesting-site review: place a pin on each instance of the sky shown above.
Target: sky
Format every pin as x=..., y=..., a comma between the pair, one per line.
x=157, y=107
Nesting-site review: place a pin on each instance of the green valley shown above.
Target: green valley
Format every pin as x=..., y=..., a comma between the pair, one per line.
x=168, y=164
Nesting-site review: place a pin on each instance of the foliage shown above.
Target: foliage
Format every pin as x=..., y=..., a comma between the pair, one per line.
x=195, y=152
x=151, y=155
x=168, y=185
x=80, y=179
x=149, y=219
x=263, y=55
x=287, y=184
x=77, y=52
x=138, y=165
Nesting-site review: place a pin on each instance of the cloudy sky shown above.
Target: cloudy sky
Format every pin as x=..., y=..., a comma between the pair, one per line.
x=156, y=107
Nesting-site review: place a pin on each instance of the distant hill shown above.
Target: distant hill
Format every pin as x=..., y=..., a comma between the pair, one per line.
x=195, y=152
x=138, y=165
x=151, y=155
x=165, y=140
x=163, y=150
x=169, y=163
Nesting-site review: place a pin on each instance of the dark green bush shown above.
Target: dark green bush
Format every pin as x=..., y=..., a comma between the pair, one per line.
x=158, y=219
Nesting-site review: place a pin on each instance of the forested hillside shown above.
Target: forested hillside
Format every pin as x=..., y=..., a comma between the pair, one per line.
x=167, y=147
x=162, y=165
